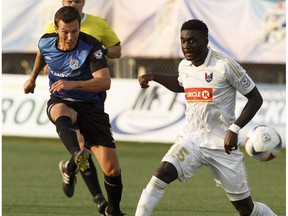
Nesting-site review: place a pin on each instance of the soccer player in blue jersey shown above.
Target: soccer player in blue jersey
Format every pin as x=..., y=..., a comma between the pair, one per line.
x=78, y=73
x=98, y=28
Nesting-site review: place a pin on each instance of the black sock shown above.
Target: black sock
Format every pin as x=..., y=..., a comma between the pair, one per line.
x=91, y=179
x=67, y=134
x=71, y=167
x=113, y=186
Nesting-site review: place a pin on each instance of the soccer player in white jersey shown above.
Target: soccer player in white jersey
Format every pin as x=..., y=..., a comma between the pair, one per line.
x=210, y=137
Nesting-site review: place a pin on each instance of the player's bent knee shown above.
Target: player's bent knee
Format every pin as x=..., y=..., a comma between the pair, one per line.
x=244, y=207
x=167, y=172
x=112, y=171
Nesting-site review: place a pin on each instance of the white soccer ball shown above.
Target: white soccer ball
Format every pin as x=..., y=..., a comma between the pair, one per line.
x=263, y=143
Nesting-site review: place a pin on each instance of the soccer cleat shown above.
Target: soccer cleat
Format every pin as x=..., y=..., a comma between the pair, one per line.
x=101, y=203
x=69, y=179
x=81, y=160
x=108, y=214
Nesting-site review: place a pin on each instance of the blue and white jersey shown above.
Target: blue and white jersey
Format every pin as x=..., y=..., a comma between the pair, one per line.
x=73, y=65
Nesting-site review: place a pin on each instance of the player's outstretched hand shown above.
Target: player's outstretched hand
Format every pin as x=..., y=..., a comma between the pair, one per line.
x=29, y=86
x=144, y=79
x=230, y=141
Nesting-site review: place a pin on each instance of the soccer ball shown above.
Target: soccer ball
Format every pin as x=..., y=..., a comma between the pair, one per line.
x=263, y=143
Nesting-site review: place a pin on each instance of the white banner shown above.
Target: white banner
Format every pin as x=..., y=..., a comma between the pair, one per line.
x=249, y=31
x=151, y=115
x=24, y=21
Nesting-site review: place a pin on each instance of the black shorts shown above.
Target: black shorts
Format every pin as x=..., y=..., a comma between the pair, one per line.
x=92, y=121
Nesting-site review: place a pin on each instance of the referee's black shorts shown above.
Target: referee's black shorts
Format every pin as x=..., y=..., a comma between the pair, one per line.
x=93, y=122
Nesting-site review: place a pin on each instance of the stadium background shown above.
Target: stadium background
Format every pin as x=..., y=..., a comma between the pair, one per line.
x=254, y=34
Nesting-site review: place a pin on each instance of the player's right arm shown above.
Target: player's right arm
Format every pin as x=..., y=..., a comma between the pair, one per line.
x=49, y=29
x=39, y=64
x=167, y=80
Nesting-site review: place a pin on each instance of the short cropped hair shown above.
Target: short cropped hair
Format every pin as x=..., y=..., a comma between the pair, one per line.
x=67, y=14
x=195, y=24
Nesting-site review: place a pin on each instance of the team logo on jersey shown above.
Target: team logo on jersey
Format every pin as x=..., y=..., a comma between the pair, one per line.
x=208, y=77
x=198, y=94
x=245, y=82
x=74, y=64
x=98, y=54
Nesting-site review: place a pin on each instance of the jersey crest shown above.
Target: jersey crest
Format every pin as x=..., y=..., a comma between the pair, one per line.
x=98, y=54
x=245, y=82
x=74, y=64
x=208, y=77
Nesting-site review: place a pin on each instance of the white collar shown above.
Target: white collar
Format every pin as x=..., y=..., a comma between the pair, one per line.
x=84, y=17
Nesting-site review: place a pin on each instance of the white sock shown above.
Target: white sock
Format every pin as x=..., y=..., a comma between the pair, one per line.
x=260, y=209
x=150, y=196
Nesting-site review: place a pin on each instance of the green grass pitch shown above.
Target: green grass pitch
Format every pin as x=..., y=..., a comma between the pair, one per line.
x=31, y=182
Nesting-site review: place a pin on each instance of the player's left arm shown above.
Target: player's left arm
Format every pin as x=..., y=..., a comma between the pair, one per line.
x=252, y=106
x=237, y=77
x=101, y=81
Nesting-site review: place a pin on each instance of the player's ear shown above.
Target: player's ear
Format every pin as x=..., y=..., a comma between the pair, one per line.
x=56, y=29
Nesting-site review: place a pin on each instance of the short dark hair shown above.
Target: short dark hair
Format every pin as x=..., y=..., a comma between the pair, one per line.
x=195, y=24
x=67, y=14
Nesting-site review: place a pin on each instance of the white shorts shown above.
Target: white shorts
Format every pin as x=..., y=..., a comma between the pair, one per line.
x=228, y=170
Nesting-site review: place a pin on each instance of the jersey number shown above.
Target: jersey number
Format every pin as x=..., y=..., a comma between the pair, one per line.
x=182, y=152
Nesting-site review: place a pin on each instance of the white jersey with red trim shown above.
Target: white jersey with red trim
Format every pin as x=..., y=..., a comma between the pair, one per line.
x=210, y=92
